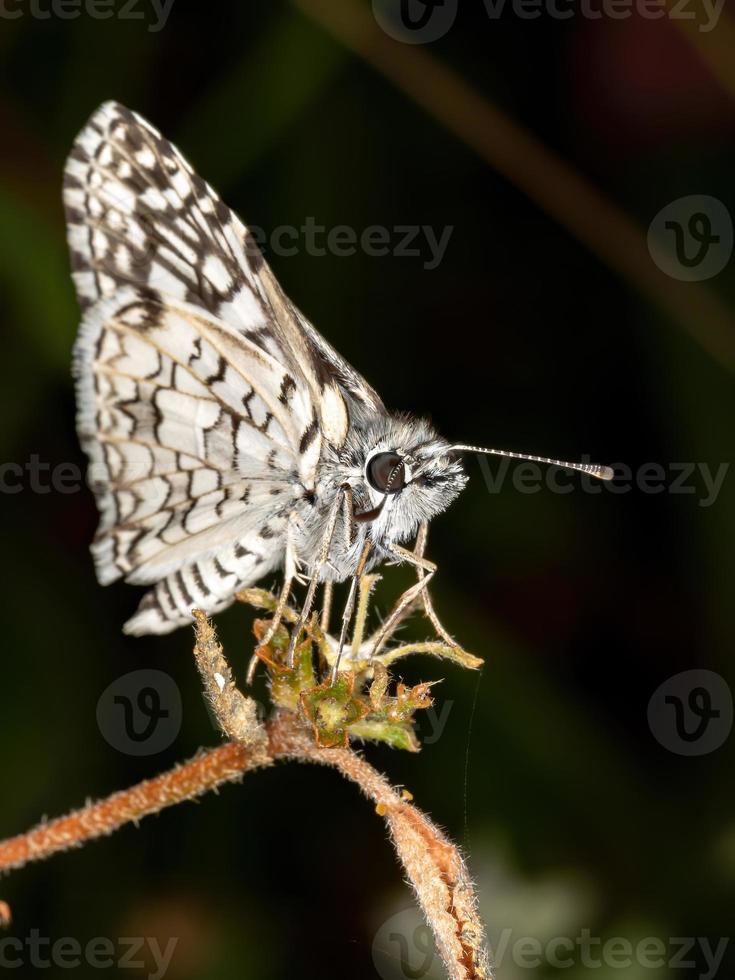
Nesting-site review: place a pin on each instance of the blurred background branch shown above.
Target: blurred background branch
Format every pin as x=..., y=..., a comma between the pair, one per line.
x=522, y=159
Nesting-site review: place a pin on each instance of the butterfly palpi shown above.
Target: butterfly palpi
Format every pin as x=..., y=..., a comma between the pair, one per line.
x=227, y=439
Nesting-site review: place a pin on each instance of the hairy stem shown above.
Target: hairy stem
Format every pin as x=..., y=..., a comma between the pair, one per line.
x=433, y=865
x=204, y=772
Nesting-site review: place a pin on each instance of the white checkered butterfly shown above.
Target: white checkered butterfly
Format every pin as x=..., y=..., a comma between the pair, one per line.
x=226, y=437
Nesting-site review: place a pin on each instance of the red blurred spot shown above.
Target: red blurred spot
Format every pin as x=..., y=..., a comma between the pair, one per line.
x=642, y=82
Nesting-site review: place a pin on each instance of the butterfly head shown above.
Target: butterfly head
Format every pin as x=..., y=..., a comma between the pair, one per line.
x=408, y=475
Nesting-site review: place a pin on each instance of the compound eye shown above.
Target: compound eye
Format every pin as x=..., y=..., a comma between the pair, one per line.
x=386, y=472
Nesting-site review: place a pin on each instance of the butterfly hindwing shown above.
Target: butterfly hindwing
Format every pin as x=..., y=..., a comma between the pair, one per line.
x=191, y=452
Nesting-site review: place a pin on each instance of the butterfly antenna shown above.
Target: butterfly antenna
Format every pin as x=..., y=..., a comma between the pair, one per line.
x=592, y=469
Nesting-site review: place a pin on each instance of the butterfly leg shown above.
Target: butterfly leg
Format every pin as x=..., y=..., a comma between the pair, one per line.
x=349, y=519
x=419, y=549
x=350, y=606
x=316, y=571
x=326, y=606
x=278, y=613
x=271, y=631
x=364, y=591
x=398, y=613
x=402, y=609
x=349, y=523
x=290, y=575
x=425, y=570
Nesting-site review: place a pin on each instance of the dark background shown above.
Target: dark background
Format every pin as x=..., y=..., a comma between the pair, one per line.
x=572, y=814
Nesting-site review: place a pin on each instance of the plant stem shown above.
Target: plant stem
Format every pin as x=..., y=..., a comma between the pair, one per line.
x=204, y=772
x=433, y=864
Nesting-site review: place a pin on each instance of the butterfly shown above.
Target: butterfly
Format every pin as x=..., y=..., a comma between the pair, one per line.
x=226, y=438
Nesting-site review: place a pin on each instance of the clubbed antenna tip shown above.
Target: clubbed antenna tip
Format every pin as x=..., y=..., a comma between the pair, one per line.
x=592, y=469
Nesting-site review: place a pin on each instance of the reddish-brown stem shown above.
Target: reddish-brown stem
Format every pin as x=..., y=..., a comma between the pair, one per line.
x=204, y=772
x=287, y=739
x=433, y=865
